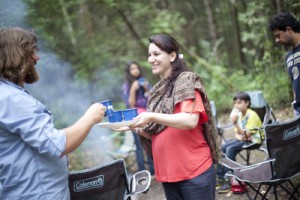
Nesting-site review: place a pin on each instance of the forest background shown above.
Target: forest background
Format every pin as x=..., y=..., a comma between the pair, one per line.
x=227, y=42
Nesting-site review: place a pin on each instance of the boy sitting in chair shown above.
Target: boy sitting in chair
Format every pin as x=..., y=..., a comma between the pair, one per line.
x=244, y=119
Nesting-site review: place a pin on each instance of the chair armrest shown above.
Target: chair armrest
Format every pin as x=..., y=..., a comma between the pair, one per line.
x=140, y=182
x=250, y=144
x=259, y=129
x=236, y=166
x=256, y=173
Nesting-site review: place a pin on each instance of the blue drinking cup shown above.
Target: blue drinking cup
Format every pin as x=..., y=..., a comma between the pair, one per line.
x=141, y=81
x=109, y=107
x=116, y=117
x=129, y=114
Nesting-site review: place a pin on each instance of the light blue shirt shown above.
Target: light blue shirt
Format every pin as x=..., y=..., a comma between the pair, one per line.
x=30, y=149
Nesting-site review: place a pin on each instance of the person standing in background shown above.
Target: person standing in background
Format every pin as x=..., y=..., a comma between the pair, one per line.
x=286, y=30
x=33, y=161
x=135, y=95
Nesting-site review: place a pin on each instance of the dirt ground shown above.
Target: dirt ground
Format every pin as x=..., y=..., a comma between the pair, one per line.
x=156, y=192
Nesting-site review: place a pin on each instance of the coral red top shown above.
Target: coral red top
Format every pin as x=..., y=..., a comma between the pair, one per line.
x=180, y=154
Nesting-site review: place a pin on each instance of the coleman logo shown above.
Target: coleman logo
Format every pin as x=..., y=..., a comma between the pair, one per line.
x=88, y=184
x=291, y=133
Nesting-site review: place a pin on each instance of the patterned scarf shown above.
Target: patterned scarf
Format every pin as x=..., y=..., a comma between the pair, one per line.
x=184, y=89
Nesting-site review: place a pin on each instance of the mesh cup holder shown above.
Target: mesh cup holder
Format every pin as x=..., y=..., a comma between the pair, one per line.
x=141, y=181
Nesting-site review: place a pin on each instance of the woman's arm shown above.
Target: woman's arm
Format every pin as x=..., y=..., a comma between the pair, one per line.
x=132, y=94
x=180, y=120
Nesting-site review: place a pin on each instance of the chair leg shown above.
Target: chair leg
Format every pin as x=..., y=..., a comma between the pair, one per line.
x=248, y=157
x=245, y=189
x=295, y=188
x=275, y=191
x=295, y=192
x=257, y=192
x=280, y=184
x=267, y=191
x=241, y=155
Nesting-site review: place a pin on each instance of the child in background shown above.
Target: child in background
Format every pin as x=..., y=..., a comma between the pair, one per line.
x=244, y=119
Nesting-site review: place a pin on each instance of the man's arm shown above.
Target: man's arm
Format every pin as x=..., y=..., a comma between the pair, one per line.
x=76, y=133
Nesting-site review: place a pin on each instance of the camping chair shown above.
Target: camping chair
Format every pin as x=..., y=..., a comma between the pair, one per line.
x=107, y=182
x=283, y=144
x=260, y=106
x=220, y=130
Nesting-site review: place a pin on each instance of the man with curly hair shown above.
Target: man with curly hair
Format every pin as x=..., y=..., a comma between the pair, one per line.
x=33, y=161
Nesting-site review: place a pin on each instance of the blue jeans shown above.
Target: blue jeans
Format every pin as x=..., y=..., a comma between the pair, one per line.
x=200, y=187
x=140, y=155
x=231, y=148
x=296, y=114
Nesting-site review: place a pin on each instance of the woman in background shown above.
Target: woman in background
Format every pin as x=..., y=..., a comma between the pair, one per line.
x=135, y=95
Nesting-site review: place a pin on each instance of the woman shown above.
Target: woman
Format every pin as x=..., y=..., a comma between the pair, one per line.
x=177, y=129
x=135, y=95
x=136, y=87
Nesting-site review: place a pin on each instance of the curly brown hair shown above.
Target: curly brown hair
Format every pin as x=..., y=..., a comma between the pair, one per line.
x=16, y=47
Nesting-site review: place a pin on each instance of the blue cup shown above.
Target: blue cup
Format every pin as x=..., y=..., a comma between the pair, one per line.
x=129, y=114
x=116, y=117
x=109, y=107
x=141, y=81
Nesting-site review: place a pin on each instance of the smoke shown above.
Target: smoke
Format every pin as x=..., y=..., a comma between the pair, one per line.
x=66, y=98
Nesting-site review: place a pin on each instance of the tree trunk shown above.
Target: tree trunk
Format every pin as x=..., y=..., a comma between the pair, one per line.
x=85, y=21
x=132, y=29
x=211, y=21
x=68, y=22
x=237, y=31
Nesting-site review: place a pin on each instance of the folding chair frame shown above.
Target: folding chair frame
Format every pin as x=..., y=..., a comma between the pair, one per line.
x=258, y=104
x=282, y=139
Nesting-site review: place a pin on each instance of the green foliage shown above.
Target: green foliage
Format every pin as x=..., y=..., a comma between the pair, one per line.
x=171, y=22
x=99, y=36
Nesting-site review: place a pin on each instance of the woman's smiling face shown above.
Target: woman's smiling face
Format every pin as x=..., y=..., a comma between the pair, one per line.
x=160, y=61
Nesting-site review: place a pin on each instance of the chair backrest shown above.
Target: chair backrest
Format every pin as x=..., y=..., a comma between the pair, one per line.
x=214, y=111
x=261, y=107
x=257, y=99
x=105, y=182
x=283, y=144
x=261, y=112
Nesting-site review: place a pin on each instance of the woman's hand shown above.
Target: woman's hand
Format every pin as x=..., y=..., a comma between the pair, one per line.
x=146, y=85
x=142, y=119
x=122, y=129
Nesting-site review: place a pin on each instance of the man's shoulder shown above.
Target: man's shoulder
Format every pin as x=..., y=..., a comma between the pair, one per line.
x=11, y=91
x=7, y=89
